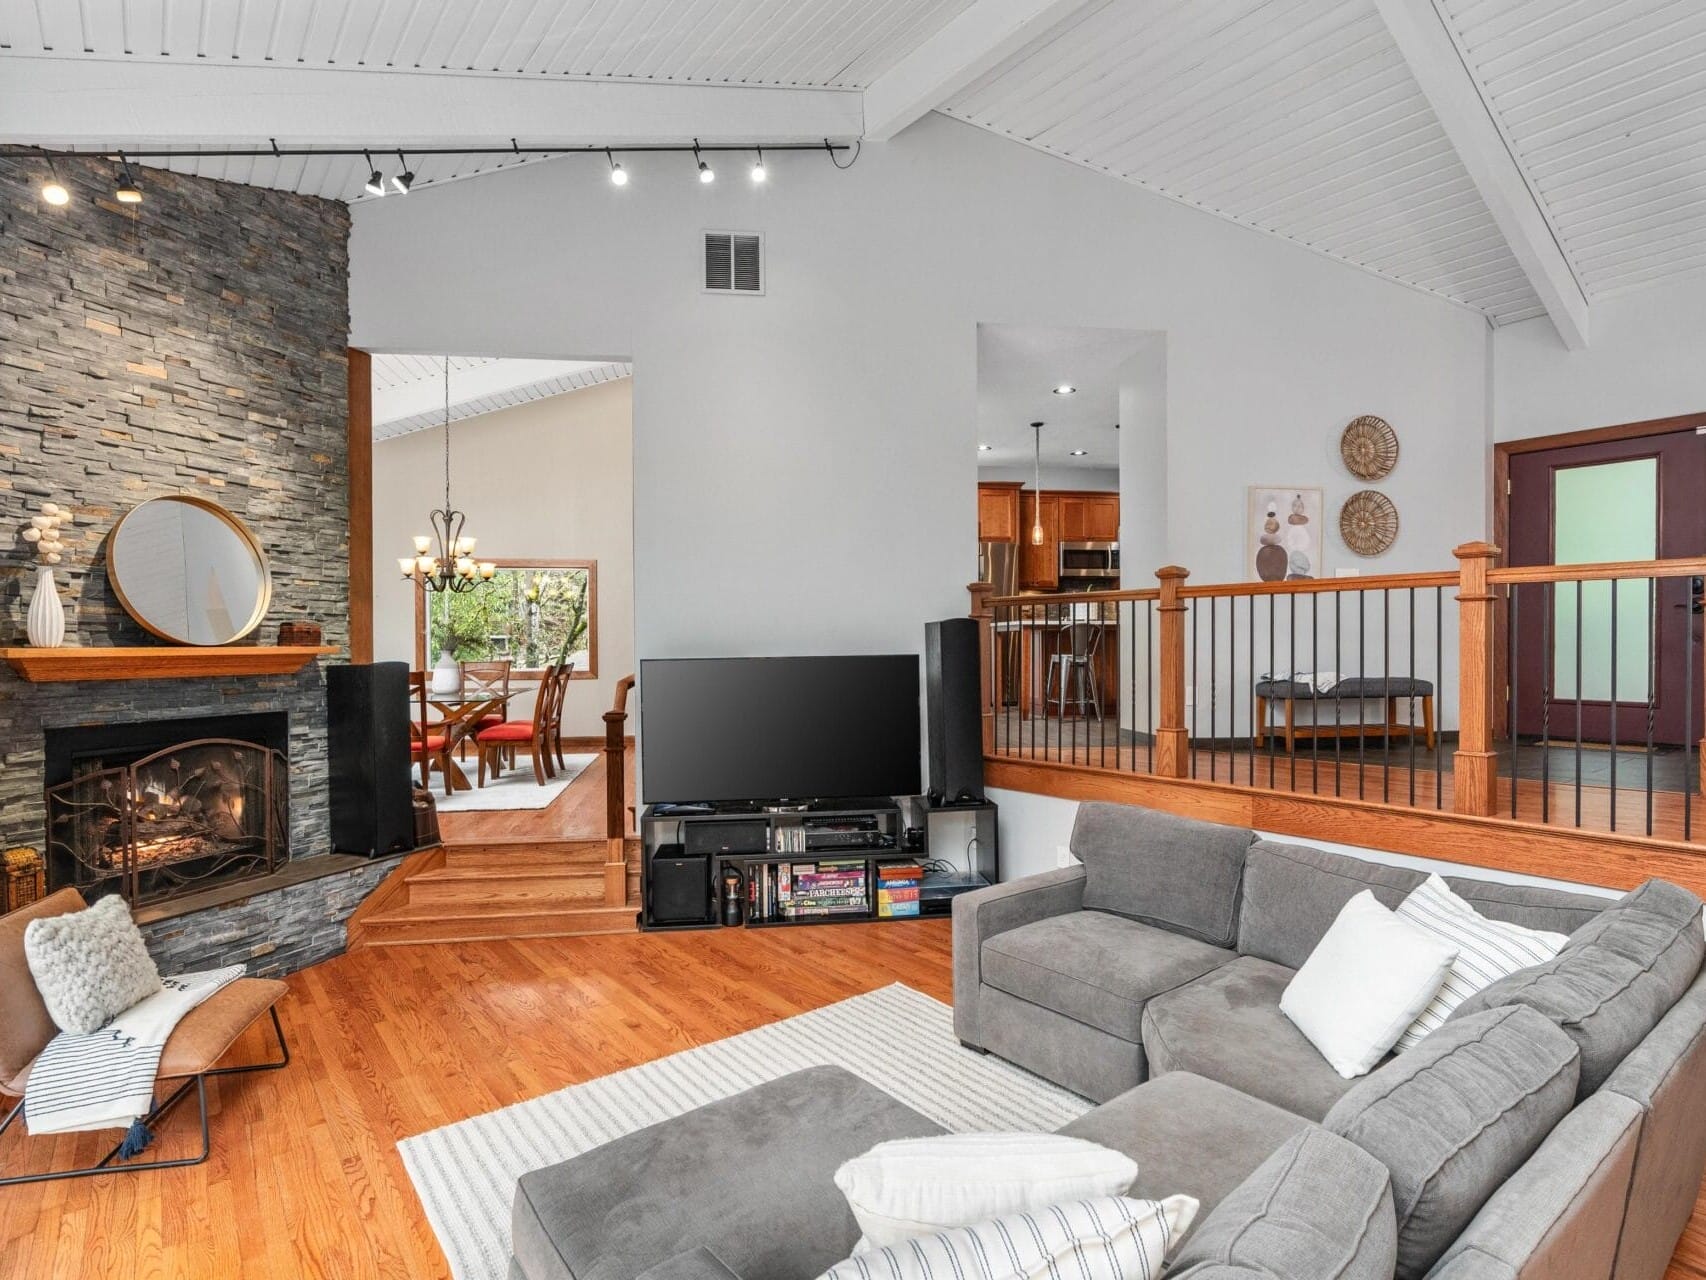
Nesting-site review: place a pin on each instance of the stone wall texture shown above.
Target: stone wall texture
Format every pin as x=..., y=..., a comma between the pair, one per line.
x=195, y=343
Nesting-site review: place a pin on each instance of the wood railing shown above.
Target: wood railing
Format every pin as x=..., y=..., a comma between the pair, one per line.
x=1198, y=675
x=616, y=795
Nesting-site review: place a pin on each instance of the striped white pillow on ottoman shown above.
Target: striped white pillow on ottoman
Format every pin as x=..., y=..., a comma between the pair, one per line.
x=1487, y=950
x=1108, y=1239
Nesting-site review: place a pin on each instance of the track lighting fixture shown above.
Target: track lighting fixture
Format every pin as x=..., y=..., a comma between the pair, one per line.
x=404, y=180
x=706, y=173
x=375, y=185
x=128, y=192
x=618, y=175
x=758, y=174
x=53, y=190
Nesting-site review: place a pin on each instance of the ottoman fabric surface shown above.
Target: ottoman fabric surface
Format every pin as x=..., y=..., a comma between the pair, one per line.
x=750, y=1178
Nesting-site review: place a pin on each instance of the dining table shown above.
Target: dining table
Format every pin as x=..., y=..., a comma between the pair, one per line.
x=460, y=714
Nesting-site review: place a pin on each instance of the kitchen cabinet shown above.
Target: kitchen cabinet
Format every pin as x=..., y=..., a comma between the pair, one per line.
x=998, y=512
x=1039, y=565
x=1089, y=517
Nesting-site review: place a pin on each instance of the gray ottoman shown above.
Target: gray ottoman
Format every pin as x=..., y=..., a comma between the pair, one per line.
x=751, y=1178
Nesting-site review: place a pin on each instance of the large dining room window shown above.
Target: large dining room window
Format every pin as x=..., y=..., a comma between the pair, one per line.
x=533, y=612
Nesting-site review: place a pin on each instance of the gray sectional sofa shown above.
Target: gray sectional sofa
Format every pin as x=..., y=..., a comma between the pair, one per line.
x=1553, y=1129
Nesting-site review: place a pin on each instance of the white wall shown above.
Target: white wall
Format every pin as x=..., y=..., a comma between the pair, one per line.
x=1646, y=359
x=805, y=462
x=1087, y=479
x=551, y=479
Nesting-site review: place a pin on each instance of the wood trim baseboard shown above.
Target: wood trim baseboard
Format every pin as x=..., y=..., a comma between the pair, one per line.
x=360, y=447
x=1585, y=857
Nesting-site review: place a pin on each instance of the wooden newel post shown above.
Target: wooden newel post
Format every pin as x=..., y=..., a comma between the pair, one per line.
x=984, y=612
x=616, y=797
x=1475, y=766
x=1172, y=740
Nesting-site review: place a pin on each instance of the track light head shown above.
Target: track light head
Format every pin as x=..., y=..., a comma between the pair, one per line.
x=127, y=191
x=706, y=173
x=375, y=185
x=618, y=175
x=404, y=180
x=758, y=173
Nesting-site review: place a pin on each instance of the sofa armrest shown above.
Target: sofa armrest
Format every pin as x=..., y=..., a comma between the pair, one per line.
x=697, y=1264
x=983, y=913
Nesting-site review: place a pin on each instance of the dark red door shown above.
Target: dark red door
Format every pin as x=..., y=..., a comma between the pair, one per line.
x=1615, y=655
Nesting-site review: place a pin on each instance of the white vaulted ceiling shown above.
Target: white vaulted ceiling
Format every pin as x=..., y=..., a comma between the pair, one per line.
x=409, y=391
x=1517, y=157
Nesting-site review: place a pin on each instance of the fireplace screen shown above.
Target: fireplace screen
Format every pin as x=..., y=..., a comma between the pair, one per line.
x=170, y=823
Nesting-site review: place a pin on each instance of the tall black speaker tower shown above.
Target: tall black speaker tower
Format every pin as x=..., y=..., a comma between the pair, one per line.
x=367, y=722
x=953, y=710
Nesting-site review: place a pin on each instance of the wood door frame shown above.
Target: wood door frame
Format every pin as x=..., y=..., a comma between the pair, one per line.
x=1503, y=452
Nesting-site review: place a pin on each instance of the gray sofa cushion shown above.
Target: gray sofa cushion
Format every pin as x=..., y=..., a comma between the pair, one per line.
x=1189, y=1136
x=1559, y=1216
x=1228, y=1026
x=1179, y=873
x=980, y=915
x=1293, y=893
x=615, y=1211
x=1074, y=1055
x=1532, y=906
x=1457, y=1115
x=1617, y=976
x=1096, y=968
x=1319, y=1208
x=1666, y=1077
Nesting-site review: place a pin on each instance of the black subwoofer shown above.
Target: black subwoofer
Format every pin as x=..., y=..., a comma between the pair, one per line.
x=953, y=710
x=367, y=724
x=679, y=887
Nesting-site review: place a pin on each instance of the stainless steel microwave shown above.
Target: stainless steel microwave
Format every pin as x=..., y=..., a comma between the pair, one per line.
x=1089, y=559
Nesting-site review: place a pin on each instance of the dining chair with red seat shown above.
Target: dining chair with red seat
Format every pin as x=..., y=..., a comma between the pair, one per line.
x=425, y=746
x=486, y=677
x=492, y=742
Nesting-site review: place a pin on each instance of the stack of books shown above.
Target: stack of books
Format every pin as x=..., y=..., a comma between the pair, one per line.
x=828, y=887
x=897, y=889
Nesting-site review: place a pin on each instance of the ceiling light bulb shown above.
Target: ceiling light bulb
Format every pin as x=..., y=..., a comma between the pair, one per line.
x=1037, y=534
x=985, y=448
x=407, y=565
x=758, y=173
x=1065, y=389
x=1079, y=453
x=618, y=175
x=54, y=192
x=705, y=174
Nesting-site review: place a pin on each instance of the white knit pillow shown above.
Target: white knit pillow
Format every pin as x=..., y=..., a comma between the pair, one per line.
x=1108, y=1239
x=915, y=1186
x=1487, y=950
x=90, y=965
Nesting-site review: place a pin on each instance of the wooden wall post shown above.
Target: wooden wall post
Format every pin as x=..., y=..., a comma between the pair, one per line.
x=984, y=612
x=616, y=797
x=1475, y=766
x=1172, y=740
x=360, y=504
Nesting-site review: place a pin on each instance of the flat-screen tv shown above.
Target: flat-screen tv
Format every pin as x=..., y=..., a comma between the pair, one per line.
x=733, y=729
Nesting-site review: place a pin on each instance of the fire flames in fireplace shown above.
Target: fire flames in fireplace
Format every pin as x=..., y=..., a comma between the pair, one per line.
x=171, y=822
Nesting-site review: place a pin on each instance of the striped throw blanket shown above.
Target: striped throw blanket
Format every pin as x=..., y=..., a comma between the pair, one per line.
x=105, y=1080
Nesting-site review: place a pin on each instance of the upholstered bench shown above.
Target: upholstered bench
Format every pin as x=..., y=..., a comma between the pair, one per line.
x=750, y=1178
x=1387, y=689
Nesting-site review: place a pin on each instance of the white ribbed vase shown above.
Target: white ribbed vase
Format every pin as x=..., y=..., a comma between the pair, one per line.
x=46, y=625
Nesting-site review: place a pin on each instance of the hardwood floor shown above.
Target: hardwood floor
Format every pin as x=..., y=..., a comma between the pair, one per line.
x=577, y=814
x=305, y=1180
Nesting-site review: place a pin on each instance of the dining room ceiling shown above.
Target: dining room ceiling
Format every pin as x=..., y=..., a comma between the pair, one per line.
x=409, y=390
x=1517, y=157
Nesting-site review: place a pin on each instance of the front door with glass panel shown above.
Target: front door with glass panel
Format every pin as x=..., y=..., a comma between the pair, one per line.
x=1618, y=660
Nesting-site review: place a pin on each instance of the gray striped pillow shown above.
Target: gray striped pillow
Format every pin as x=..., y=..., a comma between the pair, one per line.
x=1487, y=950
x=1108, y=1239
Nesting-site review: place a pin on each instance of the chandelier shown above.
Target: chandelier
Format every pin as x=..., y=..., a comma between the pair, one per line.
x=451, y=567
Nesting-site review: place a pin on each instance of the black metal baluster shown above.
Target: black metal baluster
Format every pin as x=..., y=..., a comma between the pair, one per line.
x=1213, y=686
x=1291, y=661
x=1548, y=685
x=1412, y=687
x=1273, y=766
x=1362, y=703
x=1254, y=707
x=1439, y=695
x=1149, y=683
x=1652, y=686
x=1386, y=689
x=1514, y=622
x=1131, y=647
x=1191, y=688
x=1690, y=773
x=1338, y=702
x=1614, y=585
x=1315, y=714
x=1579, y=700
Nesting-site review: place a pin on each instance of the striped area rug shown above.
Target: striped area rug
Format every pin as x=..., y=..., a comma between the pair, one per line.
x=895, y=1038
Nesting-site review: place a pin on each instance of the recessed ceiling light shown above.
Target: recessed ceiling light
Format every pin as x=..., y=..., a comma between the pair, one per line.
x=1079, y=453
x=1066, y=389
x=984, y=448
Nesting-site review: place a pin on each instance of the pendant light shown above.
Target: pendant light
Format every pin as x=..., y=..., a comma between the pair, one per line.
x=1037, y=500
x=454, y=567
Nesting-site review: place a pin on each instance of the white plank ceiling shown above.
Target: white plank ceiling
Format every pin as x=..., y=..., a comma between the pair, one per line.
x=408, y=391
x=1297, y=117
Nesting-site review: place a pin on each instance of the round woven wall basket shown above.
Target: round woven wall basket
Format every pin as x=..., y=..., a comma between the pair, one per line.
x=1368, y=522
x=1369, y=447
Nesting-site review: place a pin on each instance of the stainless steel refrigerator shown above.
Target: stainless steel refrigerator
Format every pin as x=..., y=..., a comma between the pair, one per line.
x=998, y=565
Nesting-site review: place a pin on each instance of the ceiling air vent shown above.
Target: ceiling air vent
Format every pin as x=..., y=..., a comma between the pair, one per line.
x=734, y=262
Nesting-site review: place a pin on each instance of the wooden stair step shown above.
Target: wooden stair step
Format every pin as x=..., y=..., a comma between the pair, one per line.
x=521, y=885
x=423, y=922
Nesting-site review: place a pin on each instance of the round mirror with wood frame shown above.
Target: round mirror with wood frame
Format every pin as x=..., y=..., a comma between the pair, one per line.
x=189, y=571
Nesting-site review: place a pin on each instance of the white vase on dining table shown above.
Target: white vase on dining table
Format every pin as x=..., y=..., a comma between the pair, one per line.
x=446, y=673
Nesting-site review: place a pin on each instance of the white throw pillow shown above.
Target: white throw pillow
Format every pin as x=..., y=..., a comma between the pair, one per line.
x=1108, y=1239
x=914, y=1186
x=1364, y=983
x=90, y=965
x=1487, y=950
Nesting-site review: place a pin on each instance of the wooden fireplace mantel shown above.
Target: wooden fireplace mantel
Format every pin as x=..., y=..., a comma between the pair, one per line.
x=159, y=662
